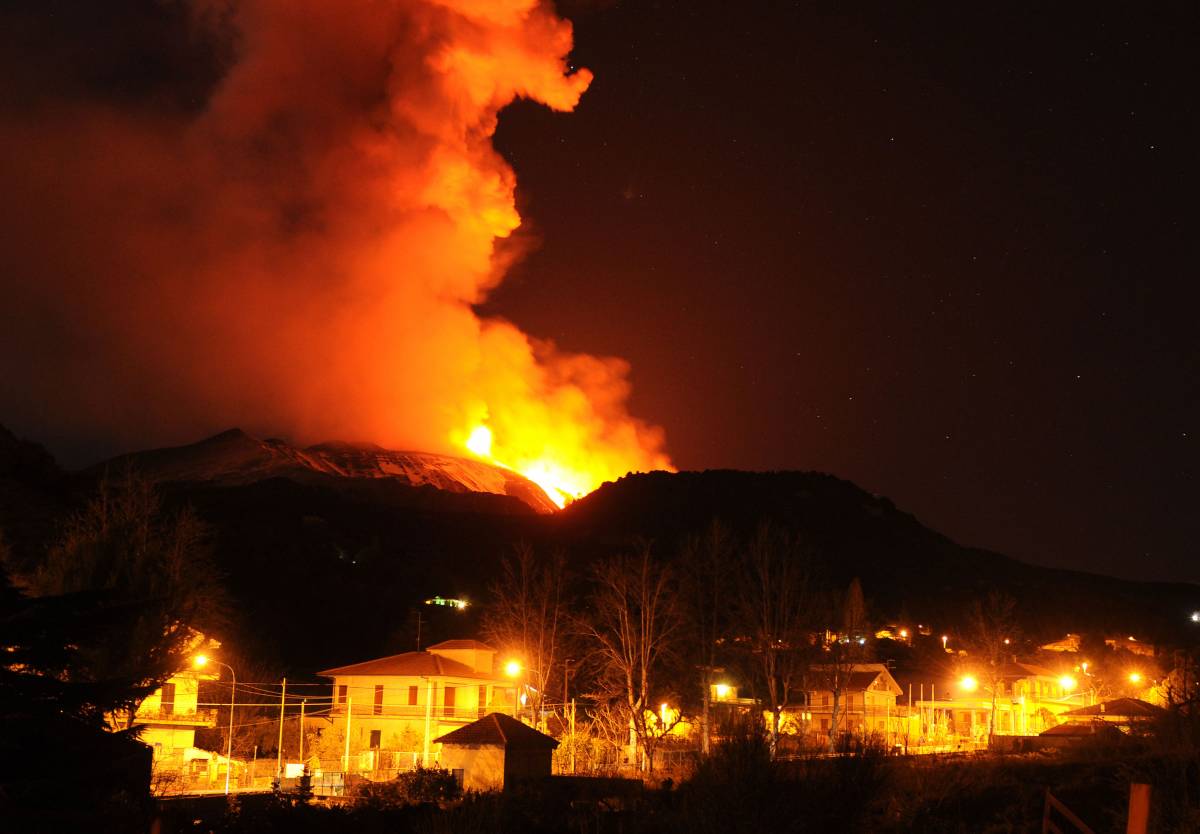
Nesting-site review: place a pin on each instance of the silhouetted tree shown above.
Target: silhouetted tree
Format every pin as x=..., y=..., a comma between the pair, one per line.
x=707, y=570
x=633, y=627
x=990, y=637
x=843, y=650
x=527, y=615
x=776, y=614
x=126, y=547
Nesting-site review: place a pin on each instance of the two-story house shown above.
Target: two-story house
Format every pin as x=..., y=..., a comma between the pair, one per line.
x=394, y=707
x=955, y=711
x=866, y=705
x=170, y=717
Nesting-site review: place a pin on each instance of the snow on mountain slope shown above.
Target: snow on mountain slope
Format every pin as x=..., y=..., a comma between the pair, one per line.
x=234, y=457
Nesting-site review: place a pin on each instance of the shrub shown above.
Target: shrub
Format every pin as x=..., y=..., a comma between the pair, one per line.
x=413, y=787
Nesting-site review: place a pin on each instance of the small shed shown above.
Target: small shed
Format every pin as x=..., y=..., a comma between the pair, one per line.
x=495, y=752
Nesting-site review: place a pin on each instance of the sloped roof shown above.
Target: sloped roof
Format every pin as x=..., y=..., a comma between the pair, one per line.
x=460, y=645
x=1119, y=708
x=862, y=675
x=408, y=664
x=1081, y=729
x=1024, y=669
x=499, y=730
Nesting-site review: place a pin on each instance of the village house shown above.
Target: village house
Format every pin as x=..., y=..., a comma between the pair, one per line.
x=396, y=707
x=955, y=712
x=169, y=718
x=866, y=706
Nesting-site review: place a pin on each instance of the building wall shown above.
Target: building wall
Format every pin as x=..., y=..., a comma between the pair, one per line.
x=187, y=689
x=522, y=765
x=483, y=767
x=397, y=725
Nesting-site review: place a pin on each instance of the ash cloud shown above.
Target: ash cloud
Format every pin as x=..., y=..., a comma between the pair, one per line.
x=279, y=214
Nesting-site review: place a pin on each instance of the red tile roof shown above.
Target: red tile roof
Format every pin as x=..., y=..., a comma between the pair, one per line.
x=408, y=664
x=499, y=730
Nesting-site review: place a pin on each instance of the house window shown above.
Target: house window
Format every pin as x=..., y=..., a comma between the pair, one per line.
x=412, y=696
x=378, y=710
x=824, y=725
x=482, y=700
x=342, y=689
x=448, y=700
x=168, y=698
x=376, y=736
x=825, y=700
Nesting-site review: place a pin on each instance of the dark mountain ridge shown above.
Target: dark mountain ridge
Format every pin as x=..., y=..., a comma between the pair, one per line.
x=327, y=564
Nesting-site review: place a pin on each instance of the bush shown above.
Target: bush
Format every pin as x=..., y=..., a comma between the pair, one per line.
x=413, y=787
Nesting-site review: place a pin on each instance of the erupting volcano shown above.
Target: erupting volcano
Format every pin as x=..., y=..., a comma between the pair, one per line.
x=294, y=237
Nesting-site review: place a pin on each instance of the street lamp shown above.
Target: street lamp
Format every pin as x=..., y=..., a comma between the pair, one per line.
x=512, y=669
x=968, y=683
x=200, y=662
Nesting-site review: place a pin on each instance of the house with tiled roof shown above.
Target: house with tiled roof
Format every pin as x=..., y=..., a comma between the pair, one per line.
x=952, y=705
x=866, y=705
x=495, y=752
x=393, y=708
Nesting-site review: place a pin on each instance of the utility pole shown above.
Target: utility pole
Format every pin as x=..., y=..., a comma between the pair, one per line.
x=303, y=701
x=346, y=755
x=428, y=716
x=282, y=706
x=568, y=670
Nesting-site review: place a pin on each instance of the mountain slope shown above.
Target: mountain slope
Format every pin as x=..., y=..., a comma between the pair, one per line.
x=234, y=458
x=904, y=565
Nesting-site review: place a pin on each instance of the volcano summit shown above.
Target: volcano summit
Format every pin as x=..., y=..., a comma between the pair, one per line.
x=234, y=458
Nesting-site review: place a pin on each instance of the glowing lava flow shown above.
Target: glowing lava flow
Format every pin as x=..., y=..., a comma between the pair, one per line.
x=560, y=484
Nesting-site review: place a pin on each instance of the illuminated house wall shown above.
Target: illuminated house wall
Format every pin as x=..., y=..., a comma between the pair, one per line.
x=169, y=718
x=397, y=705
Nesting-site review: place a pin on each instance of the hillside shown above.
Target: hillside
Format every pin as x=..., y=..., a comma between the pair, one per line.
x=328, y=551
x=904, y=565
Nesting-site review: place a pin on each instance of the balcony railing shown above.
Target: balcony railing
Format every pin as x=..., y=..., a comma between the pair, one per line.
x=463, y=713
x=197, y=718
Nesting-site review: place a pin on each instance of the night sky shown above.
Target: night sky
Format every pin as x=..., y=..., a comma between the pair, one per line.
x=943, y=250
x=947, y=253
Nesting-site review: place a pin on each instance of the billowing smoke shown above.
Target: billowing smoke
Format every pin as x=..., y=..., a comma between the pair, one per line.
x=279, y=214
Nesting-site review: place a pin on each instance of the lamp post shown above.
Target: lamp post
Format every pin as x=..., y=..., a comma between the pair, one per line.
x=200, y=662
x=512, y=669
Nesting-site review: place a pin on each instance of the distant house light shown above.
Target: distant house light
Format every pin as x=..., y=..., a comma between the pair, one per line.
x=447, y=602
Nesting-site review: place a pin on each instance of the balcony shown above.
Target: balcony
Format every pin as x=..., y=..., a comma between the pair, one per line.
x=198, y=718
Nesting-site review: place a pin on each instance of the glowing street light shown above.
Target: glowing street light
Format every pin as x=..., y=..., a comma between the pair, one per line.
x=945, y=637
x=1068, y=683
x=1135, y=677
x=200, y=661
x=968, y=683
x=512, y=669
x=1196, y=616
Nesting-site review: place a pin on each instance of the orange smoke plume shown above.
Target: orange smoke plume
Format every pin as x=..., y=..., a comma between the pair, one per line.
x=295, y=242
